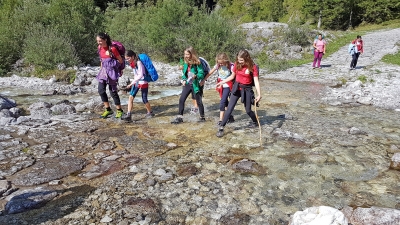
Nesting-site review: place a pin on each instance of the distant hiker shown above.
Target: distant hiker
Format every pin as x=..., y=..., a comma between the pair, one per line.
x=138, y=82
x=224, y=69
x=319, y=50
x=195, y=107
x=192, y=73
x=109, y=73
x=360, y=50
x=245, y=73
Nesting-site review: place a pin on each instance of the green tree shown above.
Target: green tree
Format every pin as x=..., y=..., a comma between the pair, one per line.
x=377, y=11
x=332, y=14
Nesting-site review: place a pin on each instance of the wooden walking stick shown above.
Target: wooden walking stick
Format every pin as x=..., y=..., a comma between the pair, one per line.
x=258, y=121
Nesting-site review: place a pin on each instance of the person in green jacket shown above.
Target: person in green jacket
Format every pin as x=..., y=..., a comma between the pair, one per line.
x=192, y=74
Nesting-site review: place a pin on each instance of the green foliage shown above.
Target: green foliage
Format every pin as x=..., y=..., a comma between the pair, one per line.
x=344, y=14
x=378, y=11
x=60, y=75
x=74, y=22
x=393, y=58
x=253, y=10
x=271, y=65
x=297, y=35
x=9, y=41
x=362, y=78
x=45, y=48
x=178, y=24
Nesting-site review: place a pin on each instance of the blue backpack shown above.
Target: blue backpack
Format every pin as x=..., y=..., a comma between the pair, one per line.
x=151, y=74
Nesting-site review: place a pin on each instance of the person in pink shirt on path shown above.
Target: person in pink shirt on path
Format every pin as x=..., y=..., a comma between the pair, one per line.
x=319, y=50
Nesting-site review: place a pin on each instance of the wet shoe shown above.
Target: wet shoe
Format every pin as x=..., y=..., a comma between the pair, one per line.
x=119, y=114
x=252, y=125
x=194, y=110
x=149, y=115
x=231, y=119
x=177, y=120
x=201, y=119
x=126, y=117
x=220, y=132
x=106, y=113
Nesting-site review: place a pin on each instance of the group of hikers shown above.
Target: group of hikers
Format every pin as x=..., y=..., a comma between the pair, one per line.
x=356, y=48
x=235, y=80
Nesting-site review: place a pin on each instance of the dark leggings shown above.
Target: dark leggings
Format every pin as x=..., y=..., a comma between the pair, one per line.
x=224, y=99
x=232, y=103
x=186, y=90
x=353, y=63
x=145, y=92
x=103, y=93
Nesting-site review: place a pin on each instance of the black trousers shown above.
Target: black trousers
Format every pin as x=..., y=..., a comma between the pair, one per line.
x=247, y=105
x=353, y=63
x=102, y=89
x=186, y=90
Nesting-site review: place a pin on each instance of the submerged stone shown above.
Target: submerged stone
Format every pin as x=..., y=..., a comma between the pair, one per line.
x=29, y=199
x=48, y=169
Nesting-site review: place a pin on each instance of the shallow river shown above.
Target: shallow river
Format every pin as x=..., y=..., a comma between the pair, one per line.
x=316, y=154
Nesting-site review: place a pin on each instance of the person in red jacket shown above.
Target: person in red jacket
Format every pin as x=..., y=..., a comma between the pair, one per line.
x=245, y=73
x=360, y=50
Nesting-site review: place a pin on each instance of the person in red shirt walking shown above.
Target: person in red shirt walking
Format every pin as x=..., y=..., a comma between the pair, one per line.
x=109, y=73
x=245, y=73
x=360, y=50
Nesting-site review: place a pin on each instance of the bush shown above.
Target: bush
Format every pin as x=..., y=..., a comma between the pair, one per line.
x=175, y=27
x=45, y=48
x=297, y=35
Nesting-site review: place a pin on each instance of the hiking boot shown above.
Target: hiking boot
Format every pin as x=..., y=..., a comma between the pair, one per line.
x=220, y=132
x=231, y=119
x=177, y=120
x=127, y=117
x=106, y=113
x=119, y=114
x=252, y=125
x=149, y=115
x=201, y=119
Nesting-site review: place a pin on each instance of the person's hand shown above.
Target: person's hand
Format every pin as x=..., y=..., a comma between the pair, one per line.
x=129, y=86
x=183, y=82
x=258, y=98
x=202, y=83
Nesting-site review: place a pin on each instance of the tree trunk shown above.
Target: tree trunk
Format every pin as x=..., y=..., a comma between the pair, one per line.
x=350, y=23
x=319, y=19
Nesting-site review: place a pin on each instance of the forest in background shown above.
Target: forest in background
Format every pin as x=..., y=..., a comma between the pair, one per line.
x=48, y=32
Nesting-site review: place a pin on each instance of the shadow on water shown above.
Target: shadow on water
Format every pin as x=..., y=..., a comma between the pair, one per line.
x=66, y=202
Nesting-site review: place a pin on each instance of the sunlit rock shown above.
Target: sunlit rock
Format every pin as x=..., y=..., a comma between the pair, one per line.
x=322, y=215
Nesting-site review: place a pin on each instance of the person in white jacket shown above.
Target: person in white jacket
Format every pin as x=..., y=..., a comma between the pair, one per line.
x=137, y=84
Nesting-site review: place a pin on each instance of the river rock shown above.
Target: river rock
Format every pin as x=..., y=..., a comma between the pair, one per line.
x=22, y=201
x=141, y=208
x=4, y=186
x=40, y=105
x=395, y=163
x=105, y=167
x=322, y=215
x=374, y=216
x=48, y=169
x=6, y=103
x=62, y=109
x=247, y=166
x=235, y=219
